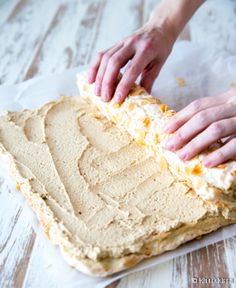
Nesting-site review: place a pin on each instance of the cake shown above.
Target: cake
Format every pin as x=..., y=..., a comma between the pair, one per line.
x=97, y=193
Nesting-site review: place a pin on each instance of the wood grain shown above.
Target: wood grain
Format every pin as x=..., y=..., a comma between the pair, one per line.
x=39, y=37
x=212, y=256
x=219, y=30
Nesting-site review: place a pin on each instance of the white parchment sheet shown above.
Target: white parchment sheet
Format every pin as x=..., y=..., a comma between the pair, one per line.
x=206, y=73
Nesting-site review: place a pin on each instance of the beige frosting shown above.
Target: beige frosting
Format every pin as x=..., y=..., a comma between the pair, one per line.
x=109, y=195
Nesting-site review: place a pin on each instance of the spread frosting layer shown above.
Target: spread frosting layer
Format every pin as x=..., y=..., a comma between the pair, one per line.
x=109, y=195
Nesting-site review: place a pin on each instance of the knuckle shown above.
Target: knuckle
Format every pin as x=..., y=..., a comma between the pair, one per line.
x=202, y=118
x=230, y=95
x=131, y=40
x=123, y=87
x=217, y=129
x=233, y=141
x=231, y=122
x=132, y=72
x=191, y=147
x=177, y=120
x=233, y=89
x=143, y=49
x=195, y=105
x=219, y=154
x=107, y=56
x=99, y=78
x=114, y=61
x=175, y=123
x=147, y=45
x=105, y=83
x=180, y=136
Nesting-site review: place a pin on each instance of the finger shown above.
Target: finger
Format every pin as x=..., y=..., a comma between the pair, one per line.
x=198, y=123
x=102, y=68
x=131, y=74
x=94, y=68
x=209, y=136
x=149, y=76
x=116, y=62
x=221, y=155
x=193, y=108
x=230, y=95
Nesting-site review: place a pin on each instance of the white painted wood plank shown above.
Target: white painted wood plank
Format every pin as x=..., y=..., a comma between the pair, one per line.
x=156, y=277
x=21, y=34
x=148, y=7
x=37, y=269
x=6, y=7
x=214, y=24
x=119, y=19
x=69, y=39
x=15, y=240
x=179, y=277
x=209, y=262
x=230, y=252
x=88, y=27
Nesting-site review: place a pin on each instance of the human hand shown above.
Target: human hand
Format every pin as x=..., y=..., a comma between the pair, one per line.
x=202, y=123
x=145, y=51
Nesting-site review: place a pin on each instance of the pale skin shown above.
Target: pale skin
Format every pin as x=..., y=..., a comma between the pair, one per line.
x=201, y=123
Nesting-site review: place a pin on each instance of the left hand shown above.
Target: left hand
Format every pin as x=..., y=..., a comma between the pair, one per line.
x=145, y=52
x=202, y=123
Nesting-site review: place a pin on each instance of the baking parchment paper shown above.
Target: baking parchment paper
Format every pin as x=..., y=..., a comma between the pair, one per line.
x=191, y=72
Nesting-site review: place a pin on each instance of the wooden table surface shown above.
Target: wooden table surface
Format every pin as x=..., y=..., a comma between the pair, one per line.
x=39, y=37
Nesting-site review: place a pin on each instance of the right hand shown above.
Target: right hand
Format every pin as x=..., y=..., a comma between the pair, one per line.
x=145, y=51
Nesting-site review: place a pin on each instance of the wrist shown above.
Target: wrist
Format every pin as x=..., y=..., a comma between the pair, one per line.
x=162, y=20
x=172, y=15
x=164, y=26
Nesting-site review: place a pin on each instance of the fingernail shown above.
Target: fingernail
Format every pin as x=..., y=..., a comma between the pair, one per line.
x=97, y=90
x=105, y=97
x=208, y=163
x=90, y=79
x=170, y=144
x=166, y=129
x=117, y=97
x=183, y=155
